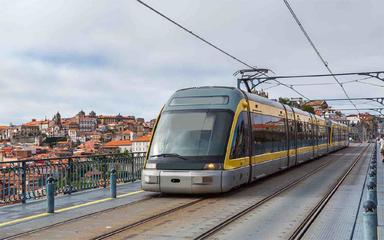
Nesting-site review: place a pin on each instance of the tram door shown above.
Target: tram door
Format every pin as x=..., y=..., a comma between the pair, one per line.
x=283, y=122
x=292, y=136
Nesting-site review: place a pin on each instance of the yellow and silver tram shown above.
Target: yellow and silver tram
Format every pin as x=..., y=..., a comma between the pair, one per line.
x=213, y=139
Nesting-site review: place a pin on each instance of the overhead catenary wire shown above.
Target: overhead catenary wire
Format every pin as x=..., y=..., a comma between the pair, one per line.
x=317, y=51
x=320, y=84
x=215, y=46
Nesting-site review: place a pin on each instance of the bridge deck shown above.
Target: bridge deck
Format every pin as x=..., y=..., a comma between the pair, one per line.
x=335, y=221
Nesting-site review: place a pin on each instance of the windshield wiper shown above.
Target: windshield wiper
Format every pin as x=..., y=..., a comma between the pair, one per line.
x=169, y=155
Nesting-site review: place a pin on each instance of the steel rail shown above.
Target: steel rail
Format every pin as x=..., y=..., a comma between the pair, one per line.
x=146, y=220
x=162, y=214
x=247, y=210
x=311, y=217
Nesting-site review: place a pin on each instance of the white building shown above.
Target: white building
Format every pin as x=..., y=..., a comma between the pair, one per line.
x=353, y=119
x=141, y=144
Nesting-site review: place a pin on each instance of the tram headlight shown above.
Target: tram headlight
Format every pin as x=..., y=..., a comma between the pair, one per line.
x=213, y=166
x=150, y=166
x=202, y=180
x=151, y=179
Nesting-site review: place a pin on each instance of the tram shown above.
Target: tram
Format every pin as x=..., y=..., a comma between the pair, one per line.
x=214, y=139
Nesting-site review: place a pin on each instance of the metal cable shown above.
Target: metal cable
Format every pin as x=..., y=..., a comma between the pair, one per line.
x=216, y=47
x=317, y=52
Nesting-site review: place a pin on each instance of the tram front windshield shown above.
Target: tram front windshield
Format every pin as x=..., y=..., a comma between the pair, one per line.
x=192, y=133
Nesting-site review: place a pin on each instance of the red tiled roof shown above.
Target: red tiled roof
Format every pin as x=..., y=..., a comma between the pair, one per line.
x=146, y=138
x=35, y=123
x=118, y=143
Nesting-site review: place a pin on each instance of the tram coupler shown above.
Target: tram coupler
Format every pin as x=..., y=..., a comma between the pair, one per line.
x=370, y=220
x=50, y=195
x=113, y=183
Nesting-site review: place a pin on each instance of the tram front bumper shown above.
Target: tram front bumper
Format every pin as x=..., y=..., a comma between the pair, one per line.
x=182, y=181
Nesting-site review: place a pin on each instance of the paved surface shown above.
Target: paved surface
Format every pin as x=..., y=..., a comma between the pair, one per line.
x=19, y=210
x=281, y=216
x=83, y=221
x=20, y=218
x=337, y=220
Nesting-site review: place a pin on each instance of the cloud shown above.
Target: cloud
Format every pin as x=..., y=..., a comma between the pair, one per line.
x=65, y=58
x=121, y=58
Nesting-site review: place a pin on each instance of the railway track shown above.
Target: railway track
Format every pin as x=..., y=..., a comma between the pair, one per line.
x=206, y=234
x=223, y=224
x=303, y=227
x=146, y=220
x=311, y=217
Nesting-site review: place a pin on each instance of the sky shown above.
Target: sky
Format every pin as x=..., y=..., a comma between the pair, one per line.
x=119, y=57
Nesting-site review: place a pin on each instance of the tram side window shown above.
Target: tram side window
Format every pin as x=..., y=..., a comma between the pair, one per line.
x=291, y=126
x=269, y=134
x=300, y=134
x=281, y=134
x=323, y=134
x=308, y=131
x=334, y=135
x=240, y=140
x=258, y=134
x=316, y=134
x=329, y=136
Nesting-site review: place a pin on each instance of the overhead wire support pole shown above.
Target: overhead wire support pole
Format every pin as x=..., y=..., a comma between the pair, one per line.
x=261, y=71
x=373, y=74
x=317, y=51
x=248, y=76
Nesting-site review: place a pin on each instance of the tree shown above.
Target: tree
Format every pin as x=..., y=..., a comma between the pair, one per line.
x=284, y=101
x=308, y=109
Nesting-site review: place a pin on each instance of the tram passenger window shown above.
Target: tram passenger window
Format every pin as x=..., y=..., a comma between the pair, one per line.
x=268, y=144
x=316, y=134
x=300, y=133
x=269, y=134
x=258, y=134
x=323, y=132
x=309, y=134
x=281, y=134
x=291, y=127
x=240, y=139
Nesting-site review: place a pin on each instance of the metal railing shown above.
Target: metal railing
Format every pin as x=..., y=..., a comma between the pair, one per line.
x=26, y=179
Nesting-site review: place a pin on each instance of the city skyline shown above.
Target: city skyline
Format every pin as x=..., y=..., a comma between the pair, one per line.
x=49, y=117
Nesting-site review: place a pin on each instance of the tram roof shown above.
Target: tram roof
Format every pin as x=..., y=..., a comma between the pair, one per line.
x=234, y=97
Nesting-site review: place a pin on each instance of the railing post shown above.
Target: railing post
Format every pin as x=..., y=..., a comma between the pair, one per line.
x=370, y=220
x=69, y=175
x=104, y=166
x=372, y=193
x=23, y=182
x=133, y=168
x=113, y=183
x=51, y=195
x=372, y=175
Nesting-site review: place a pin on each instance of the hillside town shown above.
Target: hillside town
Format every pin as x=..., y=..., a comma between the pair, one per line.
x=362, y=126
x=82, y=134
x=90, y=134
